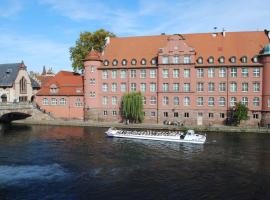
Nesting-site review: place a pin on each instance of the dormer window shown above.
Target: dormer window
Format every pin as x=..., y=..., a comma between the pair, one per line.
x=153, y=61
x=221, y=59
x=165, y=59
x=115, y=62
x=53, y=88
x=176, y=59
x=255, y=59
x=106, y=62
x=143, y=61
x=124, y=62
x=211, y=60
x=243, y=59
x=200, y=60
x=78, y=90
x=233, y=59
x=133, y=61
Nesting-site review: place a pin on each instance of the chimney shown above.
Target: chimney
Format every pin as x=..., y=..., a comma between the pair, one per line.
x=214, y=34
x=107, y=41
x=223, y=33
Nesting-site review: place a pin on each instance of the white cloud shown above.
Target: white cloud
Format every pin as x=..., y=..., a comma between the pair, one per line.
x=9, y=8
x=36, y=51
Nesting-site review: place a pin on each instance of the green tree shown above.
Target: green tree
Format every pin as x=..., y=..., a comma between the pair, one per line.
x=238, y=113
x=132, y=107
x=85, y=43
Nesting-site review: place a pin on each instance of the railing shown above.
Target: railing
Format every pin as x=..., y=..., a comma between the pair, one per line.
x=20, y=105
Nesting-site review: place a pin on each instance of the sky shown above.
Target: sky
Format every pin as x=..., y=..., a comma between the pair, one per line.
x=40, y=32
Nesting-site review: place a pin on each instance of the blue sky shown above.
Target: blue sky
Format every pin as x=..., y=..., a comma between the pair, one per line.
x=40, y=32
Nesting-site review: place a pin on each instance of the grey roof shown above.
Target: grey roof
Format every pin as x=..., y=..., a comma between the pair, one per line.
x=34, y=83
x=8, y=74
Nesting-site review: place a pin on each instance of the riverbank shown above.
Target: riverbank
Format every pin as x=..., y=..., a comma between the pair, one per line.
x=214, y=128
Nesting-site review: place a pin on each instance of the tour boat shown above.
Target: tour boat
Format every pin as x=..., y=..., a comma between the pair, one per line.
x=171, y=136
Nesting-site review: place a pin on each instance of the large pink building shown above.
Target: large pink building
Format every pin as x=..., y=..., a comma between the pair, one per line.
x=190, y=78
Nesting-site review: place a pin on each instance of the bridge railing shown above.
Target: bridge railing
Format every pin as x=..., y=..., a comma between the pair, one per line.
x=21, y=105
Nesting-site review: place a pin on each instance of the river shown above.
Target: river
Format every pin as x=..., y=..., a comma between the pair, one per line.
x=71, y=163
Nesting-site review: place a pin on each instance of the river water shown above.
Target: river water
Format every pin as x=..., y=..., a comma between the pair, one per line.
x=70, y=163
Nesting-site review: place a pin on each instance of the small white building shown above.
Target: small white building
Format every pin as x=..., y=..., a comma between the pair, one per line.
x=15, y=83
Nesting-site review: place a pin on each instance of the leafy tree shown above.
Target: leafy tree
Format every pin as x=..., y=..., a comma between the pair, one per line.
x=85, y=43
x=132, y=107
x=238, y=113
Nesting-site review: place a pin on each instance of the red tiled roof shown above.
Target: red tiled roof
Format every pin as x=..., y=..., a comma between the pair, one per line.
x=93, y=55
x=68, y=84
x=232, y=44
x=43, y=79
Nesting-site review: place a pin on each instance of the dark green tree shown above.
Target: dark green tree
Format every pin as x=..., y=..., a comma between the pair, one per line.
x=238, y=113
x=132, y=107
x=85, y=43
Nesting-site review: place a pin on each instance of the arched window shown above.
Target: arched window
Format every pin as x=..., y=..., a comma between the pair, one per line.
x=23, y=86
x=154, y=61
x=200, y=60
x=124, y=62
x=233, y=59
x=115, y=62
x=221, y=59
x=106, y=62
x=255, y=59
x=211, y=59
x=133, y=61
x=53, y=88
x=143, y=61
x=243, y=59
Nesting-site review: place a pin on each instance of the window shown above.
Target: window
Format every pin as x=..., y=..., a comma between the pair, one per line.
x=152, y=73
x=256, y=87
x=186, y=87
x=106, y=62
x=124, y=62
x=244, y=101
x=45, y=101
x=143, y=73
x=153, y=61
x=53, y=88
x=123, y=87
x=114, y=100
x=176, y=59
x=186, y=115
x=143, y=87
x=200, y=87
x=256, y=72
x=222, y=72
x=199, y=101
x=255, y=116
x=233, y=87
x=199, y=73
x=105, y=112
x=200, y=60
x=104, y=100
x=256, y=101
x=152, y=114
x=186, y=101
x=114, y=113
x=245, y=72
x=133, y=73
x=211, y=87
x=176, y=101
x=268, y=102
x=186, y=73
x=78, y=103
x=53, y=101
x=221, y=59
x=233, y=101
x=114, y=87
x=153, y=87
x=165, y=114
x=211, y=101
x=176, y=73
x=243, y=59
x=123, y=74
x=92, y=81
x=233, y=72
x=63, y=101
x=105, y=74
x=233, y=59
x=222, y=115
x=92, y=94
x=211, y=72
x=244, y=87
x=153, y=100
x=165, y=73
x=143, y=61
x=176, y=87
x=187, y=59
x=114, y=74
x=165, y=59
x=211, y=115
x=175, y=114
x=222, y=101
x=105, y=87
x=92, y=68
x=165, y=100
x=133, y=61
x=165, y=87
x=211, y=60
x=115, y=62
x=222, y=87
x=133, y=87
x=255, y=59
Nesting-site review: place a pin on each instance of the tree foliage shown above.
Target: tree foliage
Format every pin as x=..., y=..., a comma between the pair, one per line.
x=238, y=113
x=132, y=107
x=85, y=43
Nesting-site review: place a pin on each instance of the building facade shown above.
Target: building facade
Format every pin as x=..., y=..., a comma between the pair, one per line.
x=15, y=83
x=189, y=78
x=62, y=96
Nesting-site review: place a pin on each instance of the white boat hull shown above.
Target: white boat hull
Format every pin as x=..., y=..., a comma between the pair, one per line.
x=196, y=139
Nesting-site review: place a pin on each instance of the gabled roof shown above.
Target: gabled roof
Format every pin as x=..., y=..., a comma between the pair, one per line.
x=205, y=44
x=34, y=83
x=8, y=74
x=68, y=84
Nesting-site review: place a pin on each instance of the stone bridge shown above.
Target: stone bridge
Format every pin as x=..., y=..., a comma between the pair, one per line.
x=16, y=111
